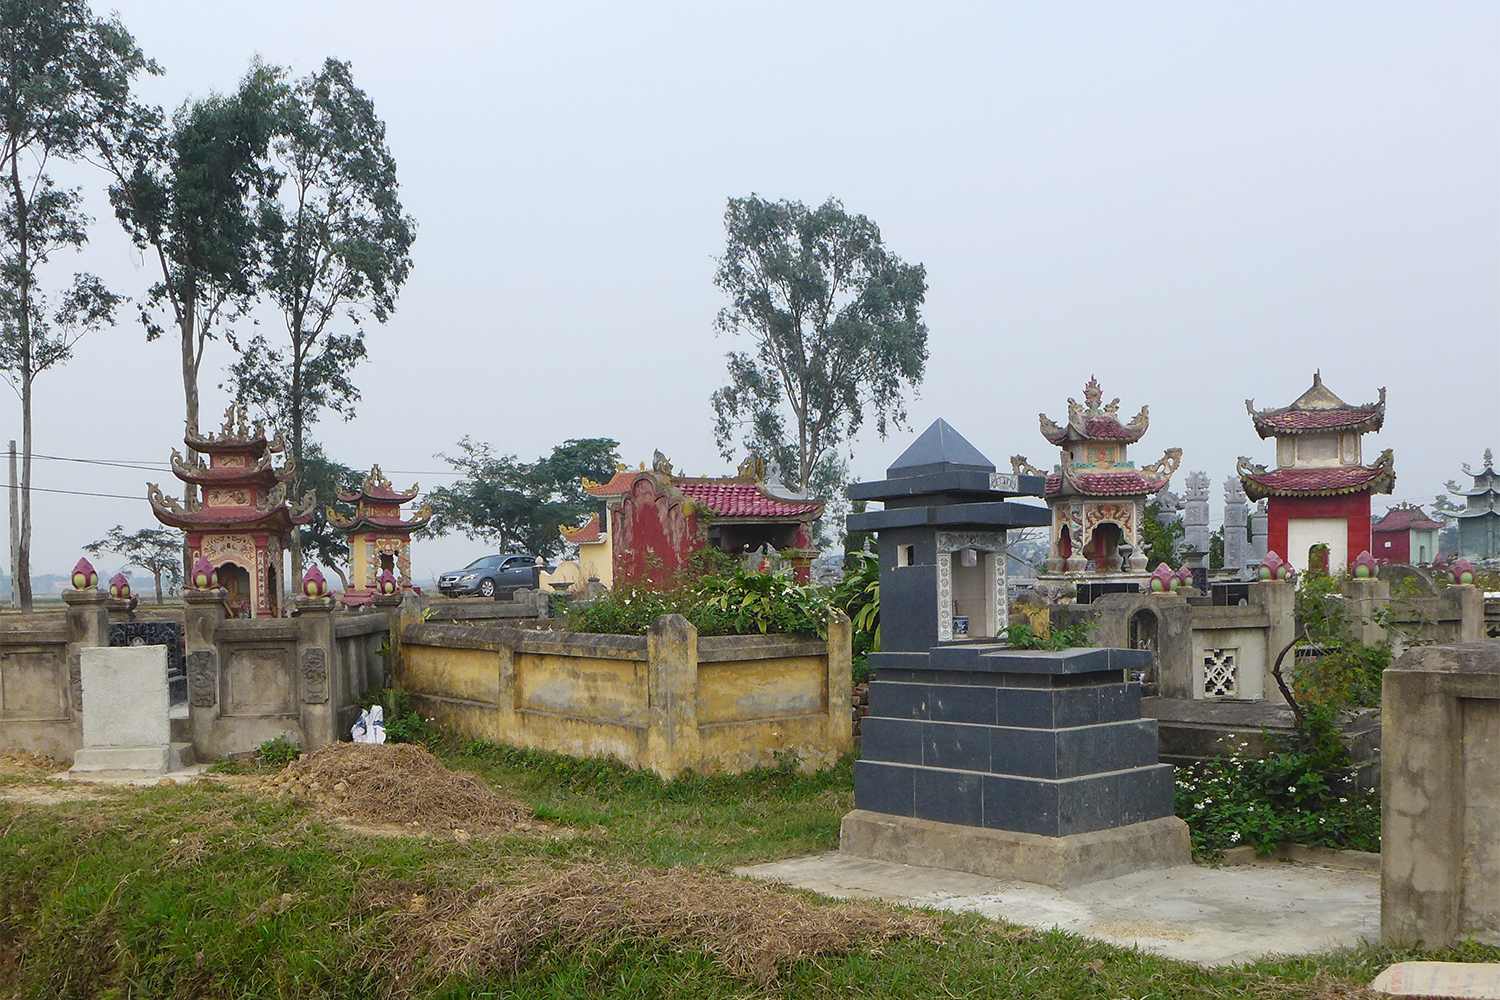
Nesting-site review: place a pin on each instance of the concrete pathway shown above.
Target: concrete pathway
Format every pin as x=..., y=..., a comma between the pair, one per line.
x=1213, y=916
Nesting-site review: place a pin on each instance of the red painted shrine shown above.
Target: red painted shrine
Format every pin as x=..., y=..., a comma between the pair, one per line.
x=241, y=519
x=1097, y=496
x=379, y=537
x=658, y=520
x=1319, y=492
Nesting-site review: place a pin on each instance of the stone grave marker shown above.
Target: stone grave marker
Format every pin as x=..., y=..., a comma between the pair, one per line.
x=127, y=728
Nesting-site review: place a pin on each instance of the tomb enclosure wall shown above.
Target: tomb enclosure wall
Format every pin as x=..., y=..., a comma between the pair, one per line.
x=668, y=701
x=1440, y=796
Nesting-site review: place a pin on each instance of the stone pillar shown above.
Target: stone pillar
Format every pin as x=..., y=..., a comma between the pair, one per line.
x=204, y=612
x=120, y=609
x=1440, y=795
x=672, y=685
x=1279, y=599
x=391, y=604
x=1195, y=513
x=407, y=612
x=1364, y=598
x=841, y=680
x=1236, y=536
x=88, y=625
x=1260, y=528
x=321, y=687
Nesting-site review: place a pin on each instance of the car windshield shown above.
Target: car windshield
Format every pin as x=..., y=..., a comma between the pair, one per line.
x=482, y=563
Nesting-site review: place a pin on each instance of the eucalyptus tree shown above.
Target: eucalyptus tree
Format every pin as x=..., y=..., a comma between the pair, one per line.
x=837, y=329
x=186, y=193
x=63, y=72
x=335, y=245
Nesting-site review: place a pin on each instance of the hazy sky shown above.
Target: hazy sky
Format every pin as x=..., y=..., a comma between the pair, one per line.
x=1196, y=202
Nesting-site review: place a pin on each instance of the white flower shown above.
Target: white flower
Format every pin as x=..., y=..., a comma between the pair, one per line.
x=1234, y=838
x=1291, y=789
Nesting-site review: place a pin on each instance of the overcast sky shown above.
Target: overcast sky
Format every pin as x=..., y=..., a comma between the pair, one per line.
x=1199, y=203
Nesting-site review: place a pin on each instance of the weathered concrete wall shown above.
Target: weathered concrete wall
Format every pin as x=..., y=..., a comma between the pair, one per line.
x=1440, y=807
x=668, y=701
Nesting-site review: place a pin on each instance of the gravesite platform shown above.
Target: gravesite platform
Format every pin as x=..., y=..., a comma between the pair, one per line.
x=1211, y=916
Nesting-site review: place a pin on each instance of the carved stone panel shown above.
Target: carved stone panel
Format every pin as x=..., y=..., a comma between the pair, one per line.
x=315, y=675
x=203, y=678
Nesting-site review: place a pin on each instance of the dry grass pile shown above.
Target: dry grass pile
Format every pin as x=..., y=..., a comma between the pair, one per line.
x=751, y=929
x=399, y=785
x=28, y=763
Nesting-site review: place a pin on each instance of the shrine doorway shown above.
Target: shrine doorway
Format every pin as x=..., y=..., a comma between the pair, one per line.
x=1104, y=547
x=238, y=597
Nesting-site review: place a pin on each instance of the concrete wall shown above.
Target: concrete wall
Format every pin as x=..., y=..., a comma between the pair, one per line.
x=1440, y=801
x=249, y=680
x=669, y=700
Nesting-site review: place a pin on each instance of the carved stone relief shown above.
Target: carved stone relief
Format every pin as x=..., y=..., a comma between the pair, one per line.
x=315, y=675
x=203, y=678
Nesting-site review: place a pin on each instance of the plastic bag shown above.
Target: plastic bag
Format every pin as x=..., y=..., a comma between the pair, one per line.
x=370, y=726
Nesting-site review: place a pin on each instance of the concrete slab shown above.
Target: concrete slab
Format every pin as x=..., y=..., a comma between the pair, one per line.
x=1440, y=979
x=1212, y=916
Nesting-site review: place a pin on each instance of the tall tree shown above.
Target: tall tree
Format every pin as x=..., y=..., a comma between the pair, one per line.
x=336, y=245
x=519, y=504
x=158, y=551
x=186, y=193
x=62, y=72
x=326, y=479
x=838, y=333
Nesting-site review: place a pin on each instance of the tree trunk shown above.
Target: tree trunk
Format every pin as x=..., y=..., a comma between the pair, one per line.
x=157, y=574
x=296, y=407
x=185, y=324
x=23, y=327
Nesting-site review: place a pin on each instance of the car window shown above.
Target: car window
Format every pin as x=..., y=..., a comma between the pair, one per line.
x=478, y=563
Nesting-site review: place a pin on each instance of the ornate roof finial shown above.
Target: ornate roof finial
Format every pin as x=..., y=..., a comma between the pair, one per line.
x=1092, y=394
x=1489, y=459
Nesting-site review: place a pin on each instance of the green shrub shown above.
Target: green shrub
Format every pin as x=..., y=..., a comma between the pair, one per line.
x=1302, y=793
x=859, y=598
x=403, y=723
x=731, y=603
x=1022, y=636
x=278, y=753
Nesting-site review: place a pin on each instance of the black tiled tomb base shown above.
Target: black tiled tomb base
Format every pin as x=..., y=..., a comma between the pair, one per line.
x=1034, y=742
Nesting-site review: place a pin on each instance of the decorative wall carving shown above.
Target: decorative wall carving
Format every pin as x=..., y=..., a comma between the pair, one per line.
x=203, y=678
x=315, y=675
x=238, y=549
x=984, y=541
x=1221, y=673
x=945, y=590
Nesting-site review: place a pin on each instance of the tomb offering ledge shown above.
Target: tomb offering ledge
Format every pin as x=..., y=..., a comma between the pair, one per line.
x=238, y=517
x=1024, y=764
x=379, y=537
x=1098, y=497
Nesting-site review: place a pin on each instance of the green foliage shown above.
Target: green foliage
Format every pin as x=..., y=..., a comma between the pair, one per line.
x=1346, y=673
x=1022, y=636
x=335, y=245
x=278, y=753
x=736, y=603
x=859, y=598
x=520, y=504
x=1302, y=793
x=403, y=723
x=1162, y=541
x=835, y=318
x=1216, y=549
x=325, y=478
x=158, y=551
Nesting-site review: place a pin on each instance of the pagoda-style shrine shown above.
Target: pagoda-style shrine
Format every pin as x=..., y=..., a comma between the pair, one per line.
x=1097, y=495
x=1319, y=492
x=379, y=537
x=1479, y=518
x=658, y=519
x=1405, y=534
x=241, y=519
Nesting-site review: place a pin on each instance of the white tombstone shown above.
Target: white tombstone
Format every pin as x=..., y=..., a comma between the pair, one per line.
x=127, y=728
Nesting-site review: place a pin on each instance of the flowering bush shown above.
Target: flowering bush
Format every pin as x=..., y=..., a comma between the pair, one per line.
x=1302, y=793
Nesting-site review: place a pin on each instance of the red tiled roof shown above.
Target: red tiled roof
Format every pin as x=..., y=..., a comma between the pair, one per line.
x=1404, y=519
x=1316, y=420
x=1108, y=428
x=737, y=499
x=1315, y=482
x=379, y=493
x=618, y=484
x=221, y=516
x=584, y=535
x=1126, y=482
x=389, y=523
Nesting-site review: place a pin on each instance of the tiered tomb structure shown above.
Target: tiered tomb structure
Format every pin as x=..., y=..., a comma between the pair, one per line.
x=379, y=535
x=1479, y=516
x=1096, y=493
x=241, y=517
x=658, y=520
x=1319, y=492
x=1405, y=534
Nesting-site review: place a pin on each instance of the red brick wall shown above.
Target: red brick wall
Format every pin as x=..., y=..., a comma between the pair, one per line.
x=1354, y=506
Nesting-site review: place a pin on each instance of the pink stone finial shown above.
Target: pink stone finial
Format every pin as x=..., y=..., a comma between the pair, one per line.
x=84, y=576
x=1364, y=566
x=119, y=586
x=1185, y=577
x=1463, y=571
x=1272, y=568
x=1163, y=580
x=205, y=577
x=386, y=583
x=313, y=584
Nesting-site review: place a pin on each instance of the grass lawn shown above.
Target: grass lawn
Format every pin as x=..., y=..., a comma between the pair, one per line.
x=214, y=890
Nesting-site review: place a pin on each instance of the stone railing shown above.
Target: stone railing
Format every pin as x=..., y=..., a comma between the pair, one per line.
x=670, y=701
